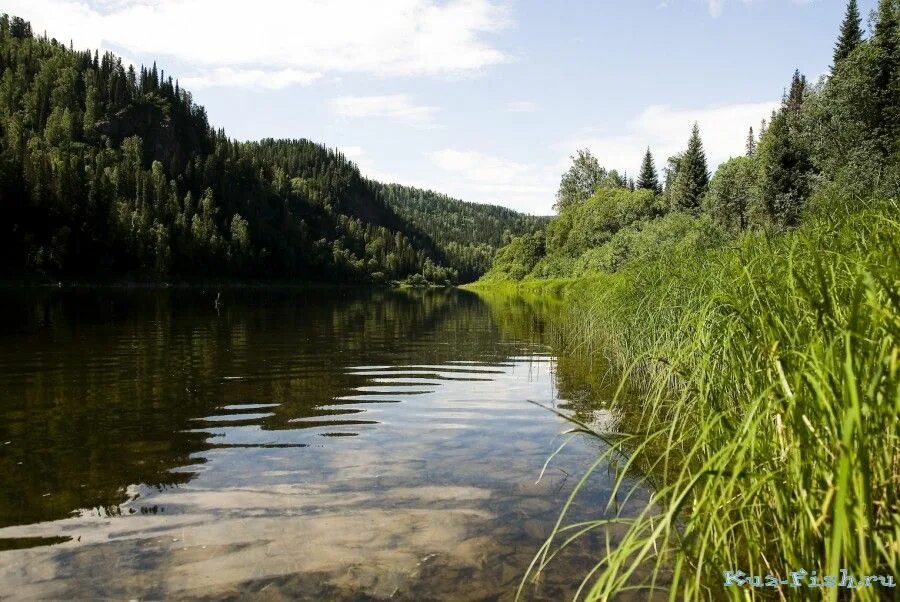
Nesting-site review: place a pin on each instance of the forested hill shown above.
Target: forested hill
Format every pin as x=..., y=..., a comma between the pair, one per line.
x=468, y=234
x=107, y=170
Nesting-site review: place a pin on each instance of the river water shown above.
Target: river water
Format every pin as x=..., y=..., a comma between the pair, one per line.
x=311, y=443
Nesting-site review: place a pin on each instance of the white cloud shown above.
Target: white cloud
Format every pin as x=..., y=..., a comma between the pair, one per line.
x=521, y=106
x=398, y=107
x=369, y=169
x=665, y=130
x=532, y=187
x=239, y=44
x=256, y=78
x=490, y=179
x=479, y=167
x=352, y=152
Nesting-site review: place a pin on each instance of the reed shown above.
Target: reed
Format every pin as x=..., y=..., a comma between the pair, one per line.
x=769, y=424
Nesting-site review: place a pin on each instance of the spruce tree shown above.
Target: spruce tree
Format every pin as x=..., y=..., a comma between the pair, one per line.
x=648, y=178
x=886, y=41
x=794, y=101
x=692, y=181
x=784, y=160
x=885, y=35
x=851, y=34
x=784, y=170
x=751, y=143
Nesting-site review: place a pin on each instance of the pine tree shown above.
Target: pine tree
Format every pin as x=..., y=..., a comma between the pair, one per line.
x=648, y=178
x=751, y=143
x=692, y=181
x=851, y=34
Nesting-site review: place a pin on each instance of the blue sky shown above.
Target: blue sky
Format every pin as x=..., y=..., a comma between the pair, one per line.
x=484, y=100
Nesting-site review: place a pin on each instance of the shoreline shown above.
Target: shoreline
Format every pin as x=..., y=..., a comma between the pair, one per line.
x=28, y=283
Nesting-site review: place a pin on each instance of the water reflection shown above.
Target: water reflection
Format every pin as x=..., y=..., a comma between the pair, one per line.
x=298, y=442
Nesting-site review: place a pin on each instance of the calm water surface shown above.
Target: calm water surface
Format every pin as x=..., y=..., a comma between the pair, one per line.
x=314, y=444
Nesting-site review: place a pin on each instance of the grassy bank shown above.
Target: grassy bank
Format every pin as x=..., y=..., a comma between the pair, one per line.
x=770, y=372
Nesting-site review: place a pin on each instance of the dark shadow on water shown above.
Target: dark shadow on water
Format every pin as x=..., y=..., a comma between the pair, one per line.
x=333, y=443
x=102, y=389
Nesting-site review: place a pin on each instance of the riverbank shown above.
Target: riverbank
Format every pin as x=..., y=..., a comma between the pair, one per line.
x=46, y=281
x=770, y=372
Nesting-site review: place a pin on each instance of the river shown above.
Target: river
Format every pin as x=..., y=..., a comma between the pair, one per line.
x=312, y=443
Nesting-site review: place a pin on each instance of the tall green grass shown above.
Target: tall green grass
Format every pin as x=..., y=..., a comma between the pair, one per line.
x=769, y=418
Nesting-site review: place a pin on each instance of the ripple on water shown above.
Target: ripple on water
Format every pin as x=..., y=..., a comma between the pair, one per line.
x=314, y=446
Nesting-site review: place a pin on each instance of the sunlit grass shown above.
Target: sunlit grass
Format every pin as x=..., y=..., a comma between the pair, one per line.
x=770, y=418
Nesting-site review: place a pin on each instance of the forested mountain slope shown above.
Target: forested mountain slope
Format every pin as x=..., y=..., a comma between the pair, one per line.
x=468, y=234
x=108, y=170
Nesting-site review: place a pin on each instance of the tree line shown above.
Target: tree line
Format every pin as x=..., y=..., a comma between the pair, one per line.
x=468, y=234
x=109, y=170
x=837, y=138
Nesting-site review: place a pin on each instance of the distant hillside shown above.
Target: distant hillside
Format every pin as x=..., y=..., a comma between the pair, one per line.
x=110, y=171
x=468, y=234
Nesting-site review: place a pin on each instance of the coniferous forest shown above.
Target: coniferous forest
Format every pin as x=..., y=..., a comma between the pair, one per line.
x=109, y=171
x=468, y=234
